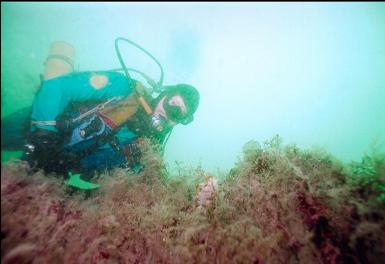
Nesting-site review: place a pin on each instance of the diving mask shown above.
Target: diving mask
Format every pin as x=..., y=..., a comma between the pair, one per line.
x=175, y=112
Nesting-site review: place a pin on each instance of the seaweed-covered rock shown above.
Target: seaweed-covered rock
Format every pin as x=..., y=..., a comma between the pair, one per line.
x=279, y=204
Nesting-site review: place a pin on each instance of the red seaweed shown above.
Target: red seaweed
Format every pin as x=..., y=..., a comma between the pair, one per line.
x=277, y=205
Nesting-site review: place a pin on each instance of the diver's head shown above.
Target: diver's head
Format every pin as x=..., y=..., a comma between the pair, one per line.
x=178, y=103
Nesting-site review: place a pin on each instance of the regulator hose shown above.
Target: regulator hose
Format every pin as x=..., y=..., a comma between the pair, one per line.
x=156, y=86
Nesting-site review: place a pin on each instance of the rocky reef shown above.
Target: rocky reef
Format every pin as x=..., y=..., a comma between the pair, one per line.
x=279, y=204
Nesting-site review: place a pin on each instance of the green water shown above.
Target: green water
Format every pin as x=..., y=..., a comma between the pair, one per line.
x=311, y=72
x=10, y=155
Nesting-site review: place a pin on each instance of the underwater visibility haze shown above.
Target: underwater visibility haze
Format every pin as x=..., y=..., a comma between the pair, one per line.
x=310, y=72
x=283, y=163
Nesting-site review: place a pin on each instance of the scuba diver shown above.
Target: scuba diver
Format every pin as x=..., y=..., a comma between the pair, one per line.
x=87, y=122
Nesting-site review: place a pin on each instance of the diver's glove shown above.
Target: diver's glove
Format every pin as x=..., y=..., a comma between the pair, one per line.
x=43, y=151
x=133, y=155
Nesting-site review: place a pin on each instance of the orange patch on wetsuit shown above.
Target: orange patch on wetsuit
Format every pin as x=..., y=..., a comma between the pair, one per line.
x=98, y=81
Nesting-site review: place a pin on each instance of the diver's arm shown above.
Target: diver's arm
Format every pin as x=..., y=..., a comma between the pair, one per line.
x=56, y=94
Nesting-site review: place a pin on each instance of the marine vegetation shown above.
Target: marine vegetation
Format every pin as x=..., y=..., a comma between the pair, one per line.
x=279, y=204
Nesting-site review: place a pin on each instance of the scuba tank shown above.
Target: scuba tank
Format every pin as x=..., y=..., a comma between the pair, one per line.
x=60, y=60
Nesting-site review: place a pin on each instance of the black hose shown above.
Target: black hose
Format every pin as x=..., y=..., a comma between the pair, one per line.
x=145, y=76
x=156, y=86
